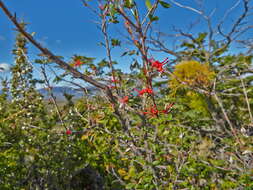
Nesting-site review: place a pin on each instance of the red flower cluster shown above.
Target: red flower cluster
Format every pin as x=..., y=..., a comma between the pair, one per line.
x=77, y=63
x=124, y=100
x=158, y=65
x=153, y=111
x=143, y=91
x=68, y=132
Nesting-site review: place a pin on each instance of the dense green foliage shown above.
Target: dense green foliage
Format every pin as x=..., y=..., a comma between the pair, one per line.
x=203, y=141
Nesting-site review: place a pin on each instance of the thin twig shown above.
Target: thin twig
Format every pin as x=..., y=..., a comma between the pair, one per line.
x=246, y=99
x=52, y=97
x=225, y=113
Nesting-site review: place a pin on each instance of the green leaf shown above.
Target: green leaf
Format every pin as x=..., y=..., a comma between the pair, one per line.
x=188, y=45
x=156, y=162
x=125, y=53
x=153, y=18
x=164, y=4
x=134, y=65
x=103, y=63
x=132, y=52
x=201, y=37
x=131, y=171
x=148, y=4
x=129, y=4
x=115, y=42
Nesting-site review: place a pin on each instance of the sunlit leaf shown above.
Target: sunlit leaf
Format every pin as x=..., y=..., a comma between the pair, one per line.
x=148, y=4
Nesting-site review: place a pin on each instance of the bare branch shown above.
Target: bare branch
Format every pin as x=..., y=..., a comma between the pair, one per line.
x=52, y=96
x=228, y=12
x=225, y=113
x=49, y=54
x=237, y=23
x=189, y=8
x=246, y=99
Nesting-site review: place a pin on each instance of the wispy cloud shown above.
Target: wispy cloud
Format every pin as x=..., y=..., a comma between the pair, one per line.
x=43, y=41
x=4, y=67
x=58, y=41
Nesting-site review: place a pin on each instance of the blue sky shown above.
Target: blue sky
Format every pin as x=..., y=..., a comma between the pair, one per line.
x=66, y=27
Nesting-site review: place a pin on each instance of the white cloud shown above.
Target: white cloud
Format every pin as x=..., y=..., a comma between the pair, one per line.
x=58, y=41
x=43, y=41
x=4, y=67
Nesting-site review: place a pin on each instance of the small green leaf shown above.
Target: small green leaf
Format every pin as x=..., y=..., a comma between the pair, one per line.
x=164, y=4
x=201, y=37
x=115, y=42
x=148, y=4
x=131, y=171
x=156, y=162
x=129, y=4
x=132, y=52
x=153, y=18
x=125, y=53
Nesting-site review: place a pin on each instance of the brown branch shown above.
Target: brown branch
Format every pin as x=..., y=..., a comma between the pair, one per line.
x=140, y=45
x=237, y=23
x=108, y=49
x=49, y=87
x=49, y=54
x=161, y=47
x=121, y=12
x=225, y=114
x=246, y=99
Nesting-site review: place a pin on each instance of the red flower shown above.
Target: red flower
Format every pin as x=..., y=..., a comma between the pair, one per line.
x=143, y=91
x=114, y=80
x=158, y=65
x=77, y=63
x=68, y=132
x=145, y=112
x=168, y=108
x=152, y=112
x=124, y=100
x=126, y=23
x=149, y=91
